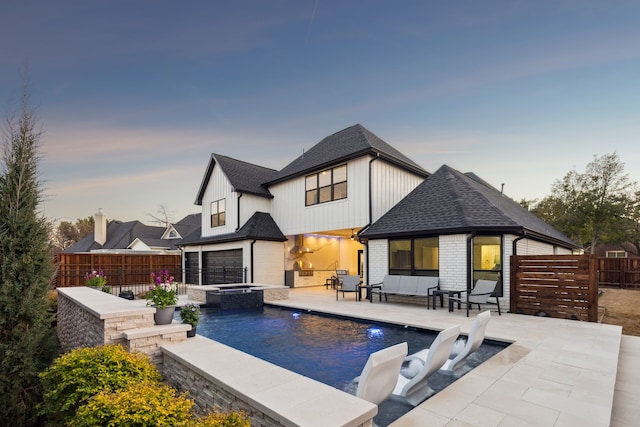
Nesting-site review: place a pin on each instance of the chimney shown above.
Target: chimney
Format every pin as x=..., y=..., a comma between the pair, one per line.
x=100, y=227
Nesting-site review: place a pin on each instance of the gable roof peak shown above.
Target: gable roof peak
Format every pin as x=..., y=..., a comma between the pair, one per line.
x=350, y=143
x=243, y=176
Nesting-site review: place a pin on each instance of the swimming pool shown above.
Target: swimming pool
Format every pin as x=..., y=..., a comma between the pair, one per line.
x=329, y=349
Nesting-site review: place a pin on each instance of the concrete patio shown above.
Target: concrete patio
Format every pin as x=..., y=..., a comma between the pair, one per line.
x=555, y=373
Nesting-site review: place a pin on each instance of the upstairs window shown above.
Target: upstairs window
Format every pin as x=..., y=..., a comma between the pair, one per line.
x=218, y=213
x=326, y=186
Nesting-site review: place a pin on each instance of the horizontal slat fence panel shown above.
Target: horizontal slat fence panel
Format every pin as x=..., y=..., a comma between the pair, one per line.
x=562, y=286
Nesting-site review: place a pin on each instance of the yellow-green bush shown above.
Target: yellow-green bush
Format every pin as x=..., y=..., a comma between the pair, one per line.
x=139, y=405
x=80, y=374
x=223, y=419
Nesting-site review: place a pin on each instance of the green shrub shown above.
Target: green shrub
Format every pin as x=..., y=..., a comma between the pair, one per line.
x=139, y=405
x=80, y=374
x=223, y=419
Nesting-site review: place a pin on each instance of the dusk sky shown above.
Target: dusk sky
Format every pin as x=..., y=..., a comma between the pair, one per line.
x=134, y=96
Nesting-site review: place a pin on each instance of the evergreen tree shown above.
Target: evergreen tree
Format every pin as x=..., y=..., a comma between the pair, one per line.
x=28, y=341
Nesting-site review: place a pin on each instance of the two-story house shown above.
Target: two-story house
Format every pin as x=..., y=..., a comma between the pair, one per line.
x=261, y=225
x=354, y=202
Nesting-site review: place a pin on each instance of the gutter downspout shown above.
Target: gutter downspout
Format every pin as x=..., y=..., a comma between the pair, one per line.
x=251, y=261
x=469, y=261
x=514, y=244
x=238, y=212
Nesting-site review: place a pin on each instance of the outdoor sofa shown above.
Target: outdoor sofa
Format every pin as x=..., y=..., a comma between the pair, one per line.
x=420, y=286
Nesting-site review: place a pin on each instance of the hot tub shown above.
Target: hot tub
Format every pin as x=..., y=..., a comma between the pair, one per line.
x=235, y=297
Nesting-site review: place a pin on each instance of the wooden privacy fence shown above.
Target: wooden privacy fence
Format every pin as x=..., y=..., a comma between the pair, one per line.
x=561, y=286
x=619, y=272
x=119, y=269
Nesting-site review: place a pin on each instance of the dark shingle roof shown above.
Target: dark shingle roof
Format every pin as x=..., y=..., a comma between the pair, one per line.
x=188, y=224
x=260, y=226
x=244, y=177
x=350, y=143
x=452, y=202
x=119, y=236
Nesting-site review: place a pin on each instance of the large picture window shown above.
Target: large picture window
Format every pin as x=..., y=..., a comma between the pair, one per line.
x=414, y=257
x=218, y=211
x=487, y=259
x=326, y=186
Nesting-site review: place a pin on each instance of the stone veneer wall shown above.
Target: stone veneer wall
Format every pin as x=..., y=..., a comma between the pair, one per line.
x=208, y=396
x=222, y=378
x=77, y=326
x=89, y=318
x=269, y=292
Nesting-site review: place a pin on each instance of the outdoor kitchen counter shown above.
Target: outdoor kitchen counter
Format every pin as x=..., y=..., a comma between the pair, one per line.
x=306, y=278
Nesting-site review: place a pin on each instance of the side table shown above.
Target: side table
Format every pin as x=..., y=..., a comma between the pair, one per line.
x=369, y=288
x=449, y=293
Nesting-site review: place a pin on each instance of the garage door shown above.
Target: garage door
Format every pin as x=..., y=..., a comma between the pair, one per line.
x=220, y=267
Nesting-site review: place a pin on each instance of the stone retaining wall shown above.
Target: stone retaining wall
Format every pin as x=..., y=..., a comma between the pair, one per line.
x=220, y=377
x=89, y=318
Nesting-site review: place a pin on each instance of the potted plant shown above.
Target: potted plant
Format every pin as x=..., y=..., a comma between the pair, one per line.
x=97, y=280
x=163, y=295
x=190, y=314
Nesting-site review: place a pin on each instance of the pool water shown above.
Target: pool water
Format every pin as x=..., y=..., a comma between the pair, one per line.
x=329, y=349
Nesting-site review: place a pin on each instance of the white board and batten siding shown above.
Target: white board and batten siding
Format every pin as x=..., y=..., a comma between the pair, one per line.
x=220, y=188
x=293, y=217
x=390, y=184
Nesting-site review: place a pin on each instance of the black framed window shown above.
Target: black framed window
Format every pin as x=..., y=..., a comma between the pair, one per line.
x=326, y=186
x=218, y=213
x=414, y=257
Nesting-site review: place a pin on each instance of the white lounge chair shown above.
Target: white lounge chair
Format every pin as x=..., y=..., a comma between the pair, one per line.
x=474, y=340
x=380, y=373
x=416, y=389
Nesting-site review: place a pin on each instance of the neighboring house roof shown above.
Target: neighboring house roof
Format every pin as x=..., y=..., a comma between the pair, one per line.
x=125, y=235
x=244, y=177
x=450, y=202
x=628, y=247
x=260, y=226
x=185, y=226
x=350, y=143
x=120, y=235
